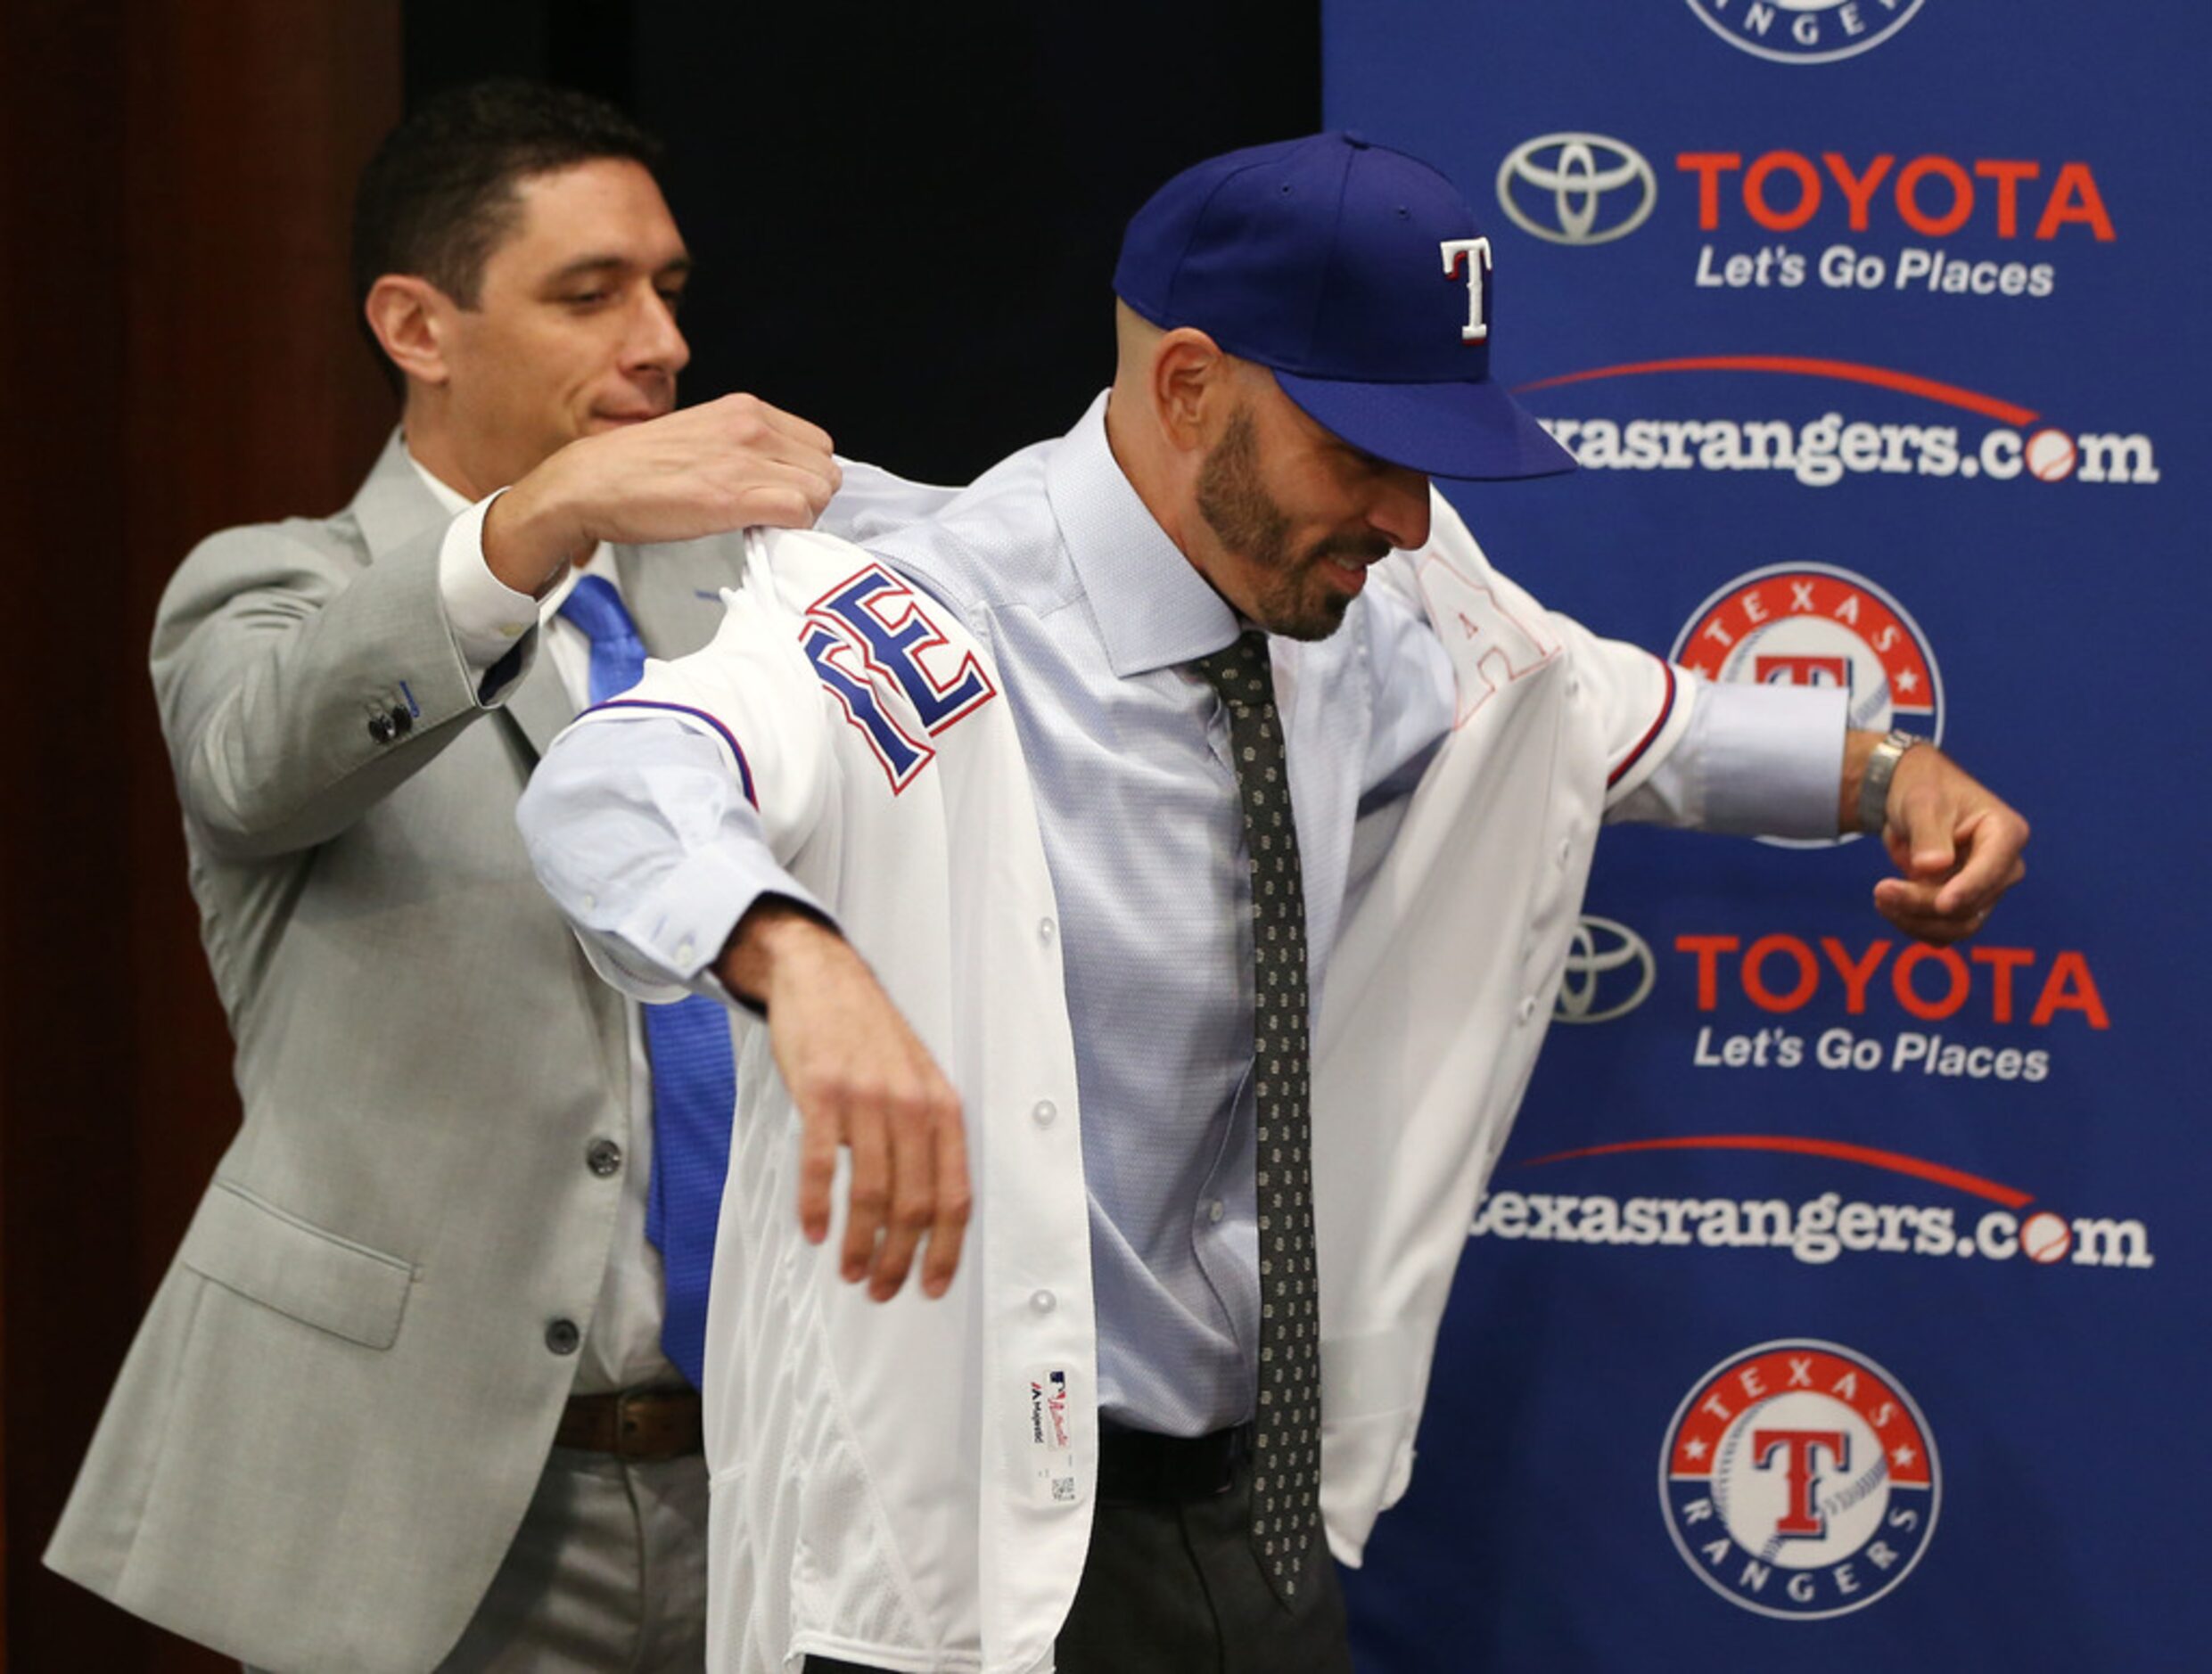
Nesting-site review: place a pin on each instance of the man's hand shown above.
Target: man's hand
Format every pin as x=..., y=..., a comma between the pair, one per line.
x=862, y=1079
x=732, y=463
x=1956, y=842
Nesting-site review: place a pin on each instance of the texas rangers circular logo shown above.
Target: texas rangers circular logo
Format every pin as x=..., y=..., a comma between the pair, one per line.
x=1799, y=1480
x=1806, y=31
x=1816, y=625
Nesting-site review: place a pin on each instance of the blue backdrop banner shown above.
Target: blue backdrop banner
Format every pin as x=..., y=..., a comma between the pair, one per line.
x=1839, y=1300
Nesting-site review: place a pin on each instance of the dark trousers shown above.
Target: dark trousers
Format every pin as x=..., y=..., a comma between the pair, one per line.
x=1172, y=1587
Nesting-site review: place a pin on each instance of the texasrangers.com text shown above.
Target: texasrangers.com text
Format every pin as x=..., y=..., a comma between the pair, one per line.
x=1821, y=451
x=1816, y=1231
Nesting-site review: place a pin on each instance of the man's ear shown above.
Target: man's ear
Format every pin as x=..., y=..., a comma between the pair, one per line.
x=1191, y=388
x=411, y=317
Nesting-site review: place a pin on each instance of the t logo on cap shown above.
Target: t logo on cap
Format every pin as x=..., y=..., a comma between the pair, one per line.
x=1476, y=253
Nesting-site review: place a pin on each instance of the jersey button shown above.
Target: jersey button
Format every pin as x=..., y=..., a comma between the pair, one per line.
x=1044, y=1301
x=1044, y=1111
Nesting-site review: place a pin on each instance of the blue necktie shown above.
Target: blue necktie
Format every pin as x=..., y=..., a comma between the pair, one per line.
x=694, y=1084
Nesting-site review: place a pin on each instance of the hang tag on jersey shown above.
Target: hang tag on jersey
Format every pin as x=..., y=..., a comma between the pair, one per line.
x=1049, y=1442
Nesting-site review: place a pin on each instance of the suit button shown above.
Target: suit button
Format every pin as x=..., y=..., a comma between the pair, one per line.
x=604, y=1157
x=402, y=723
x=380, y=728
x=563, y=1337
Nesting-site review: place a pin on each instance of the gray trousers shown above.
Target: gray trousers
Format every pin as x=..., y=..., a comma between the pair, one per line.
x=607, y=1574
x=1174, y=1588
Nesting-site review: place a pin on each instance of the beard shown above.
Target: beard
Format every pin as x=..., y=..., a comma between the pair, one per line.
x=1292, y=596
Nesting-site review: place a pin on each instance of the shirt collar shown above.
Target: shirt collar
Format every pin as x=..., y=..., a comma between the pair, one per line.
x=445, y=496
x=1153, y=608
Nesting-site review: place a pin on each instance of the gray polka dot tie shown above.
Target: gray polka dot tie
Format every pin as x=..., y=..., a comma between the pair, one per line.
x=1287, y=1442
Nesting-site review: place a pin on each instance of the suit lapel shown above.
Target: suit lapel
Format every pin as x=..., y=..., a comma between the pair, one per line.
x=675, y=593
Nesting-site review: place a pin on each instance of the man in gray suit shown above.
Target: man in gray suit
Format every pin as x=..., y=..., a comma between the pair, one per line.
x=401, y=1402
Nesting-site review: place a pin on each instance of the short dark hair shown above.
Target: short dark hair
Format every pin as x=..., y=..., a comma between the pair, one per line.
x=439, y=194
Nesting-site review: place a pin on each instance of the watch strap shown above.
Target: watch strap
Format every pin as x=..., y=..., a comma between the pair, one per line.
x=1881, y=766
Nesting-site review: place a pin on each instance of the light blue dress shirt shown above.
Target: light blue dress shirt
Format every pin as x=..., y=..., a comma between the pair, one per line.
x=1092, y=614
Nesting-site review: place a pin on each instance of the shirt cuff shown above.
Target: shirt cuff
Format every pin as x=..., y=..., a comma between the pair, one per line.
x=678, y=934
x=486, y=617
x=1771, y=758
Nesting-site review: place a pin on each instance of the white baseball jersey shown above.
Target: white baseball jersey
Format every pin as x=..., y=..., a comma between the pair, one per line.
x=910, y=1484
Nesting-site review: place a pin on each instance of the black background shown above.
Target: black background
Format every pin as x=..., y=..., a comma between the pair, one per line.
x=905, y=218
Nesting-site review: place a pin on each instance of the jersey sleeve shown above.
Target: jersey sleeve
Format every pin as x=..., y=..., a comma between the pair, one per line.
x=659, y=818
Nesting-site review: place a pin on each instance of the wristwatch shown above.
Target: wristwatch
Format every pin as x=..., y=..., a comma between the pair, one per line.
x=1881, y=766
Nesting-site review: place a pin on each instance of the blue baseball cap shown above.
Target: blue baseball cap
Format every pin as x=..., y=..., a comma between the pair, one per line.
x=1357, y=274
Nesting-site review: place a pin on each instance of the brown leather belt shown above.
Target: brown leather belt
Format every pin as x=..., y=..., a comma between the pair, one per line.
x=633, y=1423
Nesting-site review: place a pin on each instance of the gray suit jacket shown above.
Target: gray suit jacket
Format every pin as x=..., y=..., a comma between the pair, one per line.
x=336, y=1409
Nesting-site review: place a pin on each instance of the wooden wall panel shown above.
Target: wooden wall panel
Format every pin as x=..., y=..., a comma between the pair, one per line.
x=179, y=355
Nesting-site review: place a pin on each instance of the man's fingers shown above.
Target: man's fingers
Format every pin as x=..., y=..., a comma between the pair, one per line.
x=925, y=1124
x=1956, y=846
x=1992, y=840
x=1941, y=913
x=1926, y=848
x=861, y=1081
x=1912, y=909
x=907, y=1212
x=802, y=434
x=779, y=496
x=749, y=432
x=731, y=463
x=1979, y=881
x=955, y=1199
x=818, y=1137
x=869, y=1196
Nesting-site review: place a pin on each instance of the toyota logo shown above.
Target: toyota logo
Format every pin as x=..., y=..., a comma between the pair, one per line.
x=1609, y=971
x=1577, y=188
